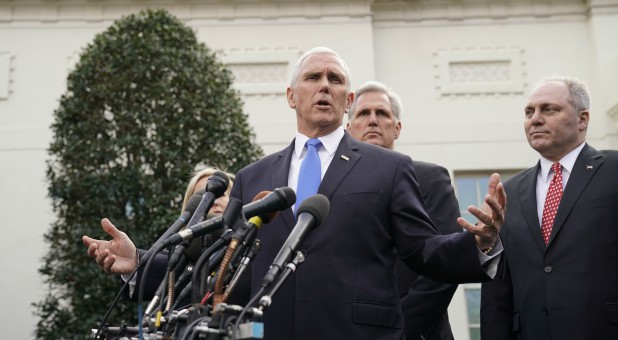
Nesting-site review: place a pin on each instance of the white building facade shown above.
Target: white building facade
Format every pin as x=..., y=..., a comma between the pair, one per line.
x=462, y=68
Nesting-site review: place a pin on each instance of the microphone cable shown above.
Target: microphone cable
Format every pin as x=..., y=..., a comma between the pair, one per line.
x=111, y=307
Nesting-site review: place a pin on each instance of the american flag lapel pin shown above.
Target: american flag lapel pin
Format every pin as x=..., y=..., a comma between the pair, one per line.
x=345, y=158
x=588, y=167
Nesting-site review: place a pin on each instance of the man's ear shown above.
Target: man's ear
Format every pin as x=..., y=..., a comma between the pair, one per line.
x=397, y=129
x=349, y=102
x=584, y=118
x=290, y=96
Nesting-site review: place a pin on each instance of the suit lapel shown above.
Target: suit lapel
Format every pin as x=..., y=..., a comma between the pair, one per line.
x=280, y=170
x=527, y=198
x=586, y=165
x=343, y=161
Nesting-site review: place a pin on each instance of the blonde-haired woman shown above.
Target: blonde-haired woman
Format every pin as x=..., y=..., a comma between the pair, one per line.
x=198, y=182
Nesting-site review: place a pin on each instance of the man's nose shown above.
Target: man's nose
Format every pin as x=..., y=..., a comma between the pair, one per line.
x=324, y=85
x=536, y=118
x=373, y=118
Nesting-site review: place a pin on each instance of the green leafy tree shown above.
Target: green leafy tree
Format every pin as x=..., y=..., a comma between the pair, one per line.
x=145, y=105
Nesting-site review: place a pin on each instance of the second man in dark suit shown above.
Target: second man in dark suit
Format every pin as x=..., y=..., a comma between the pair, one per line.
x=561, y=234
x=375, y=117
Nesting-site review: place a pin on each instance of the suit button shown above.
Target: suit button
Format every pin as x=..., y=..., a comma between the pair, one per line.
x=547, y=269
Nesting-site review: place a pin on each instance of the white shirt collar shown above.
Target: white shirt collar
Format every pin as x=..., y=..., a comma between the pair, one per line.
x=330, y=142
x=567, y=162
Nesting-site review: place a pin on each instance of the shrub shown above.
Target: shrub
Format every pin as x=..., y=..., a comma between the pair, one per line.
x=145, y=105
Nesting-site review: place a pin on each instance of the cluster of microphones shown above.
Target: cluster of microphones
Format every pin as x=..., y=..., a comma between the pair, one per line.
x=206, y=260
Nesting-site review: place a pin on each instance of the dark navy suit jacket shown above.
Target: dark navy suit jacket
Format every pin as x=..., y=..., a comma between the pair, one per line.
x=347, y=287
x=567, y=290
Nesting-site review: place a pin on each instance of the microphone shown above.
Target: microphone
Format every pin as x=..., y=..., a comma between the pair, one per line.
x=266, y=300
x=215, y=187
x=242, y=235
x=310, y=214
x=195, y=248
x=192, y=205
x=244, y=263
x=279, y=199
x=242, y=232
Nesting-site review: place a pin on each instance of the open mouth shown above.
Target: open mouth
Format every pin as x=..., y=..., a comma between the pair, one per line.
x=323, y=103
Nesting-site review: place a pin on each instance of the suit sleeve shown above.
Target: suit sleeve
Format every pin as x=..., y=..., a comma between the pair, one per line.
x=155, y=275
x=449, y=258
x=497, y=306
x=426, y=301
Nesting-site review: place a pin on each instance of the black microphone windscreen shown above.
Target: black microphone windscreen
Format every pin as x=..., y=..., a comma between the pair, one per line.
x=232, y=212
x=317, y=205
x=194, y=201
x=217, y=183
x=222, y=176
x=269, y=215
x=288, y=195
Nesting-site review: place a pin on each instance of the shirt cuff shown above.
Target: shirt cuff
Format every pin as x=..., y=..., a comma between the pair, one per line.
x=133, y=281
x=490, y=261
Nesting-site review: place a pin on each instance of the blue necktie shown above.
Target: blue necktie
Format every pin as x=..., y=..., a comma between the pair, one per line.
x=310, y=173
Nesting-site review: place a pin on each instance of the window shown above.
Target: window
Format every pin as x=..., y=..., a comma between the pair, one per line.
x=471, y=189
x=473, y=307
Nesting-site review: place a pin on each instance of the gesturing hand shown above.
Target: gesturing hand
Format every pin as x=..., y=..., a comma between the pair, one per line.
x=117, y=256
x=490, y=215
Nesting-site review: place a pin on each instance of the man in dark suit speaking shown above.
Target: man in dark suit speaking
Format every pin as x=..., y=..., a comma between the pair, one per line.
x=346, y=287
x=375, y=117
x=561, y=234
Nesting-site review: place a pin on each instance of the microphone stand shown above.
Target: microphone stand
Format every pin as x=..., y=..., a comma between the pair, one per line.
x=113, y=304
x=266, y=300
x=195, y=280
x=244, y=262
